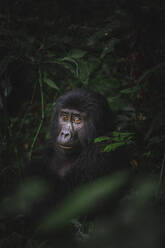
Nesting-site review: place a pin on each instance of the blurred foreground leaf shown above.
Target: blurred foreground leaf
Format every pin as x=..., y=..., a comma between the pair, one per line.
x=83, y=199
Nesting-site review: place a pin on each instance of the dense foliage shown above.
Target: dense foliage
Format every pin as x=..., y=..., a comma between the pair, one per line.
x=113, y=47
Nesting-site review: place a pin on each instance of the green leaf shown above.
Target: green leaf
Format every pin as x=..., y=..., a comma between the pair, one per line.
x=100, y=139
x=51, y=83
x=76, y=54
x=122, y=135
x=113, y=146
x=66, y=61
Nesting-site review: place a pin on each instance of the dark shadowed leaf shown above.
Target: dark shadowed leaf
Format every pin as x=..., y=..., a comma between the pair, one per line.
x=77, y=53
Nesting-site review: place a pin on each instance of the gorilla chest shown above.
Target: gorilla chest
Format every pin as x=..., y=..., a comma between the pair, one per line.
x=64, y=170
x=61, y=168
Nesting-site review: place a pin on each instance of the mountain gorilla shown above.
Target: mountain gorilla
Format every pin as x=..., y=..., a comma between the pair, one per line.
x=73, y=158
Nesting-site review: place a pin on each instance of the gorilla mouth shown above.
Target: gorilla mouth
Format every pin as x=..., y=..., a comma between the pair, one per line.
x=65, y=147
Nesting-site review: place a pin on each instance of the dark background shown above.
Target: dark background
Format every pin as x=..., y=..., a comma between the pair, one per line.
x=47, y=47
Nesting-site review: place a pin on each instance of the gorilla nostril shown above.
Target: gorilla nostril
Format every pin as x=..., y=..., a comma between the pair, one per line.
x=65, y=134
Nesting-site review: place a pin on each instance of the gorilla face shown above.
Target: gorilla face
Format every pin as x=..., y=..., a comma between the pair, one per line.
x=71, y=123
x=80, y=116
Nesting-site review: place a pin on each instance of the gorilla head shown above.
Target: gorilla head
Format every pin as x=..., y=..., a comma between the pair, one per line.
x=80, y=116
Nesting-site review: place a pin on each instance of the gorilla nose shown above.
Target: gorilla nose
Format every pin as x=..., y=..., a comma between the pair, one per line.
x=66, y=135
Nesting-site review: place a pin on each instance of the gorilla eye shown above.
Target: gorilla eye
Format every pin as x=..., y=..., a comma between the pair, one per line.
x=77, y=119
x=65, y=117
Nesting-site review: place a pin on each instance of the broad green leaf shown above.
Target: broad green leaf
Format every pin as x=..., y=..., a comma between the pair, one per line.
x=51, y=83
x=102, y=138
